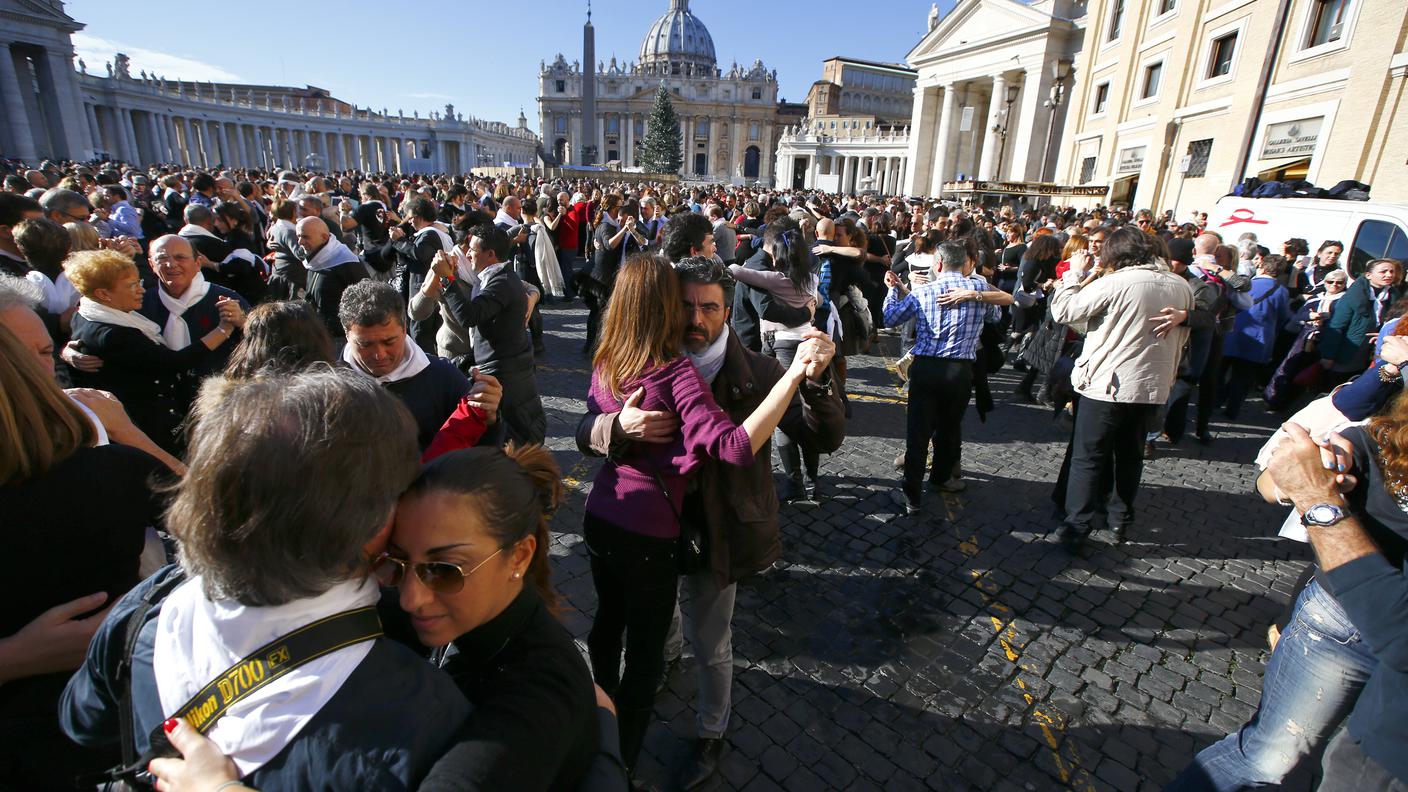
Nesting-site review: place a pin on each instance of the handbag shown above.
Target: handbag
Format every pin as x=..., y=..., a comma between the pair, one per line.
x=690, y=554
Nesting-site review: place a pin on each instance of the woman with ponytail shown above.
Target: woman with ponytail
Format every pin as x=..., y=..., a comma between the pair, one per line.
x=469, y=555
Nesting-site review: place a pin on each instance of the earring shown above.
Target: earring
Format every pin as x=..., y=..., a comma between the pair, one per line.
x=517, y=575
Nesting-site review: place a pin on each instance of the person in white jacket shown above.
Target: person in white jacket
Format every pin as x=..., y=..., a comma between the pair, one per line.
x=1123, y=374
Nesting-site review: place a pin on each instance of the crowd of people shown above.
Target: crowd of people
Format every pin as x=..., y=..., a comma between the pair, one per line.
x=310, y=548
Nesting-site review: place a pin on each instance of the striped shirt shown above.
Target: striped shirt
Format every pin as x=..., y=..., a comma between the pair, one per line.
x=942, y=331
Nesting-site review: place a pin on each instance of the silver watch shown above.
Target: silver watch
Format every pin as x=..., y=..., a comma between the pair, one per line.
x=1323, y=515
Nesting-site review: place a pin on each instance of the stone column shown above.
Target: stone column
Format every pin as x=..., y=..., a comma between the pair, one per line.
x=942, y=169
x=845, y=174
x=388, y=163
x=91, y=114
x=234, y=152
x=988, y=166
x=628, y=120
x=921, y=139
x=688, y=145
x=1026, y=134
x=128, y=135
x=163, y=142
x=56, y=76
x=13, y=104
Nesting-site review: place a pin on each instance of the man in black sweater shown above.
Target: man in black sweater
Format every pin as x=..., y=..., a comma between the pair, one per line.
x=330, y=266
x=496, y=315
x=415, y=252
x=373, y=316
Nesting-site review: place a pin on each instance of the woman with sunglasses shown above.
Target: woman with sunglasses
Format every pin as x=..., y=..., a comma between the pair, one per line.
x=470, y=531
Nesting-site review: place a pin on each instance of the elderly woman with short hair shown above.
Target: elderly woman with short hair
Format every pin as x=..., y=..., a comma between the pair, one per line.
x=138, y=367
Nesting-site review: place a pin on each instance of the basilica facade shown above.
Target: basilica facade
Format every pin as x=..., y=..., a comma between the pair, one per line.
x=728, y=119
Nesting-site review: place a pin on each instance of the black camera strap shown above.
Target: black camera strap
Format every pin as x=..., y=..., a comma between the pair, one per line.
x=255, y=671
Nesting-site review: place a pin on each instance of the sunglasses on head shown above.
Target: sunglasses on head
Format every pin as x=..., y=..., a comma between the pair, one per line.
x=441, y=577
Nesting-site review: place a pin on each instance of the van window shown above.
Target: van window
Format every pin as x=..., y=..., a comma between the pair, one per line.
x=1376, y=239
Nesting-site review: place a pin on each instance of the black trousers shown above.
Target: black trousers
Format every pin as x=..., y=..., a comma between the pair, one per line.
x=637, y=582
x=1107, y=447
x=521, y=407
x=939, y=390
x=1209, y=384
x=790, y=449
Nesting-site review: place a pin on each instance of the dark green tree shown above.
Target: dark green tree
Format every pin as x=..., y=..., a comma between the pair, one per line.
x=660, y=151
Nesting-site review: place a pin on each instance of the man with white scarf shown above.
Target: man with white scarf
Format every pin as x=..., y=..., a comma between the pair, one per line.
x=331, y=266
x=184, y=302
x=735, y=508
x=373, y=315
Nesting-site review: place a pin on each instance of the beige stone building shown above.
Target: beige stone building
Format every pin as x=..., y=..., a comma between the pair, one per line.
x=1176, y=101
x=854, y=137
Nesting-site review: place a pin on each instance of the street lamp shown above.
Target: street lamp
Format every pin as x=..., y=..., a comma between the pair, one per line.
x=1059, y=70
x=1000, y=128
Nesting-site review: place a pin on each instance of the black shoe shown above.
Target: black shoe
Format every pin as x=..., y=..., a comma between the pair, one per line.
x=1120, y=532
x=902, y=499
x=1070, y=538
x=809, y=487
x=702, y=765
x=1204, y=437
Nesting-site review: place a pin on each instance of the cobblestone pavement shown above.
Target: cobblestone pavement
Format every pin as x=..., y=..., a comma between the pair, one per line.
x=959, y=648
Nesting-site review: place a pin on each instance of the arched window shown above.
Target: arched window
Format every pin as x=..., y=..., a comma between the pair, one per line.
x=752, y=159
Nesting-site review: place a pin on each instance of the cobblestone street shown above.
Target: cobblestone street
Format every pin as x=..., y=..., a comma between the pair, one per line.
x=958, y=648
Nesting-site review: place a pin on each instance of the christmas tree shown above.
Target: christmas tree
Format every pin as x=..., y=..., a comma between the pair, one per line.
x=660, y=151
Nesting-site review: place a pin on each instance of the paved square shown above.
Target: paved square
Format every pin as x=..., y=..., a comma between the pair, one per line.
x=958, y=648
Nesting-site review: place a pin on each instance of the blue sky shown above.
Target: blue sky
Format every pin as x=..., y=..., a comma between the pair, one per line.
x=483, y=56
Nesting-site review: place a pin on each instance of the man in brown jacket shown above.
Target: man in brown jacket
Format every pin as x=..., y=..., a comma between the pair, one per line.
x=736, y=507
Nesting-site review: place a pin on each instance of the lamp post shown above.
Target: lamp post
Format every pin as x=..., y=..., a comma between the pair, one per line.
x=1059, y=70
x=1000, y=129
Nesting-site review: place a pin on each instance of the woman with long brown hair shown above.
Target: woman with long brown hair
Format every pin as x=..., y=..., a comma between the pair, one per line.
x=86, y=508
x=632, y=526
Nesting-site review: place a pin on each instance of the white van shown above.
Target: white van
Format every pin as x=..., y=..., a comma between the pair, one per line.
x=1368, y=230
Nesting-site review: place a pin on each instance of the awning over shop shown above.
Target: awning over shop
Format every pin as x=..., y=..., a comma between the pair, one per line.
x=1024, y=188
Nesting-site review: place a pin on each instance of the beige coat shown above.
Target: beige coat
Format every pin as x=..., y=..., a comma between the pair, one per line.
x=1123, y=361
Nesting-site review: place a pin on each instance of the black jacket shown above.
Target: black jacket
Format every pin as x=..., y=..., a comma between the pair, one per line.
x=150, y=380
x=200, y=318
x=750, y=305
x=502, y=344
x=534, y=725
x=325, y=290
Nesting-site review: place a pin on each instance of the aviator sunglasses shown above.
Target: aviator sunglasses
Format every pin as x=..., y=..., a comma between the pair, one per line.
x=441, y=577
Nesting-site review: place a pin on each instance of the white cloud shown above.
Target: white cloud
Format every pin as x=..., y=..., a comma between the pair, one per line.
x=97, y=51
x=446, y=97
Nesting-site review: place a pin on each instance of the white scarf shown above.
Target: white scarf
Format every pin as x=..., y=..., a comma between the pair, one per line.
x=197, y=639
x=330, y=255
x=95, y=311
x=545, y=260
x=504, y=218
x=191, y=229
x=446, y=242
x=711, y=360
x=177, y=333
x=414, y=362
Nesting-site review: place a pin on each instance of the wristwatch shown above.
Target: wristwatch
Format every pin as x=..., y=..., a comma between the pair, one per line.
x=1323, y=515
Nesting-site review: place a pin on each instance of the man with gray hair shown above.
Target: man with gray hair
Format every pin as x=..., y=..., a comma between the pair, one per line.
x=949, y=312
x=65, y=206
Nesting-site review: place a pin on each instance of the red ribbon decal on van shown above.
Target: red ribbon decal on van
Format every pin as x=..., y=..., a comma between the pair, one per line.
x=1243, y=216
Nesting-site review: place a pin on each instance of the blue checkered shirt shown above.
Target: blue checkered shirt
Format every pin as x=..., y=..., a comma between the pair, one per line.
x=942, y=331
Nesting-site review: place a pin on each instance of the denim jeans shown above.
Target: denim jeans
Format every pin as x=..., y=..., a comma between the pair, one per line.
x=1311, y=683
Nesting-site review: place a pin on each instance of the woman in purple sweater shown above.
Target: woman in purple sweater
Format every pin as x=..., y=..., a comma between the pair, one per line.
x=631, y=527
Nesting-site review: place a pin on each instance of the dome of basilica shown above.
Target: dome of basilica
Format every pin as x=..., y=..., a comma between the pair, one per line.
x=678, y=37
